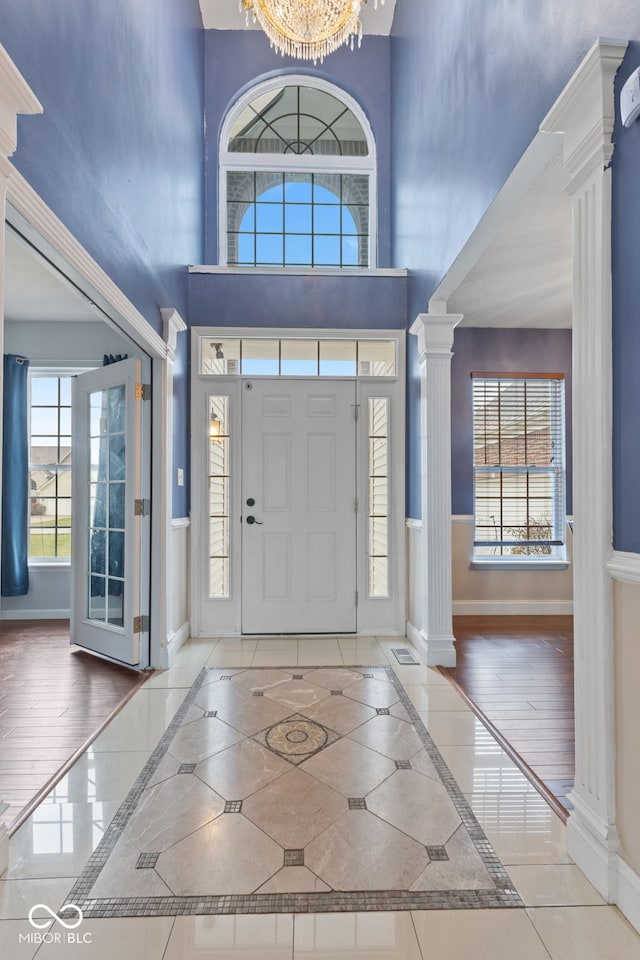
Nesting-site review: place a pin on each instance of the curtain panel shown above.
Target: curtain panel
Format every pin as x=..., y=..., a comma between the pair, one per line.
x=15, y=478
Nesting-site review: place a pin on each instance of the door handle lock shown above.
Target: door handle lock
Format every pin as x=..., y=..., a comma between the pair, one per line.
x=253, y=520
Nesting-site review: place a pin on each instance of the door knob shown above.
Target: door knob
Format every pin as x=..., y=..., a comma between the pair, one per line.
x=253, y=520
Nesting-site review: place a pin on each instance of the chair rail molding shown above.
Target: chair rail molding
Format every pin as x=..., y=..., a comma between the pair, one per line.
x=584, y=114
x=435, y=342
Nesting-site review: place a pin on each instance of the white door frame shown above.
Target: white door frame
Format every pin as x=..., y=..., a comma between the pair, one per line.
x=375, y=617
x=30, y=215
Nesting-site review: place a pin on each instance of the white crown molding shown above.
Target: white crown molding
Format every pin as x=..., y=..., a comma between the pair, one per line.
x=16, y=97
x=624, y=566
x=26, y=202
x=172, y=325
x=585, y=111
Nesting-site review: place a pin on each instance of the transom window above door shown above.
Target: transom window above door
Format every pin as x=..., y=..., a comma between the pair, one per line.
x=292, y=357
x=297, y=179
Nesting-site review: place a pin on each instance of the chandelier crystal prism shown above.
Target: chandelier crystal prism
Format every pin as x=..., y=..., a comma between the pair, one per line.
x=308, y=29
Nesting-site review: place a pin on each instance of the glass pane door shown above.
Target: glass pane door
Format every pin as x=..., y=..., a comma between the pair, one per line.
x=107, y=528
x=107, y=476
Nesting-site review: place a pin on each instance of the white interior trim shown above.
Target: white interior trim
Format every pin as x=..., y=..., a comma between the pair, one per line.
x=375, y=616
x=584, y=114
x=624, y=566
x=628, y=891
x=434, y=333
x=315, y=272
x=16, y=97
x=31, y=216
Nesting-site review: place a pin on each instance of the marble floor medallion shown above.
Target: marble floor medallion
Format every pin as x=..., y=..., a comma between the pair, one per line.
x=310, y=789
x=296, y=738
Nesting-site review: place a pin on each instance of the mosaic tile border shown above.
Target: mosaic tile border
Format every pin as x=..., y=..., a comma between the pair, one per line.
x=503, y=895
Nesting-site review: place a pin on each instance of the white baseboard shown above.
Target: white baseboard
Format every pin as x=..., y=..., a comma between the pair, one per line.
x=4, y=843
x=513, y=608
x=434, y=651
x=176, y=640
x=35, y=614
x=593, y=846
x=628, y=893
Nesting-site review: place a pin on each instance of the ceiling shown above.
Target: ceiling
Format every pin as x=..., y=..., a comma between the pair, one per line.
x=225, y=15
x=35, y=290
x=524, y=276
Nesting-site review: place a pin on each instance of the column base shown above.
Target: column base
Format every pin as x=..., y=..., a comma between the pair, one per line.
x=435, y=650
x=593, y=845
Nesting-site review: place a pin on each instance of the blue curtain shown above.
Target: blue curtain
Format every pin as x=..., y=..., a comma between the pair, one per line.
x=15, y=478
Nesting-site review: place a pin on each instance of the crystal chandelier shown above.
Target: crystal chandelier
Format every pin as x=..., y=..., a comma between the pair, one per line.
x=308, y=29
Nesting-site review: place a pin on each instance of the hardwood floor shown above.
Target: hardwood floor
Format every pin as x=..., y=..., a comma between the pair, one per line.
x=517, y=674
x=54, y=699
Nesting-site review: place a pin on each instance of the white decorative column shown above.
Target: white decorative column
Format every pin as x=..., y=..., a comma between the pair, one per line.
x=435, y=342
x=15, y=98
x=172, y=325
x=584, y=113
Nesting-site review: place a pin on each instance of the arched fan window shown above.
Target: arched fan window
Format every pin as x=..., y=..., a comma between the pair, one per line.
x=297, y=171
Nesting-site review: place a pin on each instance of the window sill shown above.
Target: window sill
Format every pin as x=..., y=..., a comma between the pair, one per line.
x=50, y=565
x=508, y=564
x=299, y=271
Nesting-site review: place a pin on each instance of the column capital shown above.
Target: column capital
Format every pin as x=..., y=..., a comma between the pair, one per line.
x=16, y=97
x=435, y=334
x=172, y=325
x=585, y=112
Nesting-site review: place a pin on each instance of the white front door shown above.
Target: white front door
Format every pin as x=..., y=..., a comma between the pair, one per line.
x=107, y=528
x=298, y=506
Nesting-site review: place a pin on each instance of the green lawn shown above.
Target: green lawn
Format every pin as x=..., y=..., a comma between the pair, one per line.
x=42, y=539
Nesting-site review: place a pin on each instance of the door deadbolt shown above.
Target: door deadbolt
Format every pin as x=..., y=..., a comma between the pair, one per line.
x=251, y=502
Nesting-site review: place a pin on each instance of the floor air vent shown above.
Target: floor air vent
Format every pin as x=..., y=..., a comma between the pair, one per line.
x=404, y=655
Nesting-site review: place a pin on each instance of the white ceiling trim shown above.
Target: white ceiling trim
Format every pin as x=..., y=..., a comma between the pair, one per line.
x=515, y=270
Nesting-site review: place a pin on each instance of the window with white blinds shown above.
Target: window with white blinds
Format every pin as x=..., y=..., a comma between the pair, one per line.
x=519, y=466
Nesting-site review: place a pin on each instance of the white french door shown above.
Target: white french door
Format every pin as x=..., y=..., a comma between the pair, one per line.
x=298, y=506
x=110, y=521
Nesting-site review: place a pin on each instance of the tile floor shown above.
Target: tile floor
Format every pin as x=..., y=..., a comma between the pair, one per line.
x=343, y=805
x=563, y=917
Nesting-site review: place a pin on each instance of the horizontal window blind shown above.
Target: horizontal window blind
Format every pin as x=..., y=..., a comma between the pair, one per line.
x=519, y=465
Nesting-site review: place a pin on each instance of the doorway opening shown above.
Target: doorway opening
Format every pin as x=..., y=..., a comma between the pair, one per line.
x=297, y=482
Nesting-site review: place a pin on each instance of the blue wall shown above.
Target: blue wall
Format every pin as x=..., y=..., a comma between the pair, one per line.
x=235, y=59
x=118, y=152
x=470, y=84
x=297, y=301
x=626, y=324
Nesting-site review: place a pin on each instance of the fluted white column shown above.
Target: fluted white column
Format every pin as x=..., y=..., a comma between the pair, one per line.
x=172, y=325
x=15, y=98
x=585, y=115
x=435, y=342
